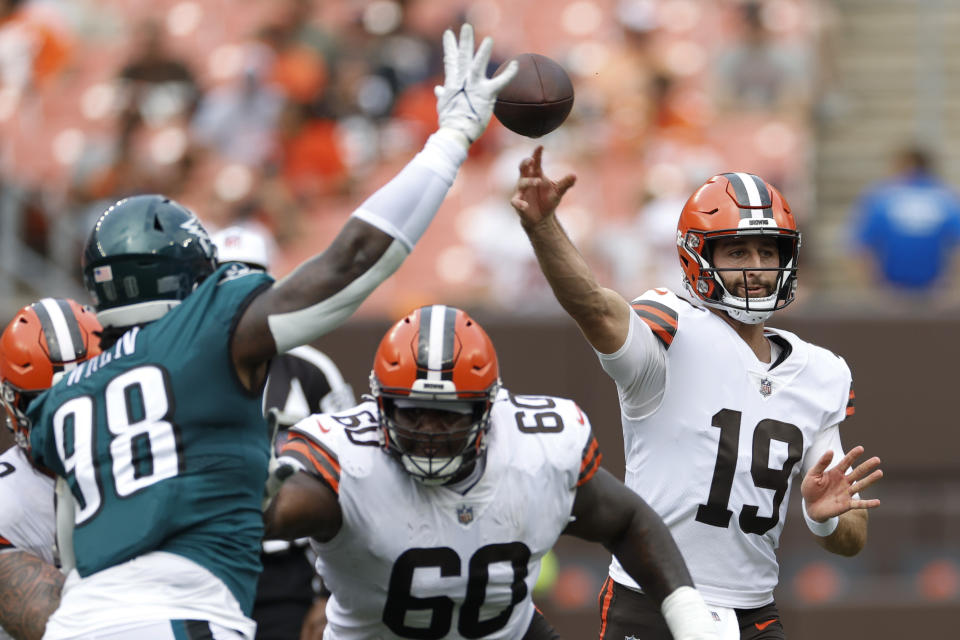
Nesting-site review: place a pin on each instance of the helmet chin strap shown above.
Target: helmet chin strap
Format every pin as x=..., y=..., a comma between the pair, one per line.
x=748, y=317
x=738, y=311
x=417, y=465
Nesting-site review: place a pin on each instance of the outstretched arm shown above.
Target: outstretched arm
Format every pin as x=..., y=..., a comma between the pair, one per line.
x=322, y=292
x=304, y=507
x=607, y=512
x=830, y=493
x=29, y=593
x=602, y=314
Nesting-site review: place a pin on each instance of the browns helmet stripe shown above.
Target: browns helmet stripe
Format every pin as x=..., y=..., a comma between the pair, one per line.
x=753, y=197
x=590, y=460
x=64, y=341
x=436, y=342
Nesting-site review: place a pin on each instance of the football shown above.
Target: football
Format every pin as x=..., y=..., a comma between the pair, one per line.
x=538, y=99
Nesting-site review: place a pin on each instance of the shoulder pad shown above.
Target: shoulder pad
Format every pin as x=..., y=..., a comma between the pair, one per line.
x=660, y=310
x=318, y=444
x=236, y=270
x=552, y=431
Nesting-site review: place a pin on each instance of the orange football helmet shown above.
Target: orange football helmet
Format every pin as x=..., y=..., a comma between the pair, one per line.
x=435, y=377
x=43, y=340
x=737, y=204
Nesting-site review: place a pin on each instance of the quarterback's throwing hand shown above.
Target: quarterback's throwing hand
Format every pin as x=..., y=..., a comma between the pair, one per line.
x=465, y=101
x=537, y=196
x=829, y=492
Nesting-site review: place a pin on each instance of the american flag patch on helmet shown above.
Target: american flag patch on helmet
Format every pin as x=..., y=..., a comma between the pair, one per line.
x=102, y=274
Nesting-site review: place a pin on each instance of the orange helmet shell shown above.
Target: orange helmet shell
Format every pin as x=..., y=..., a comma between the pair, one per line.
x=45, y=338
x=436, y=351
x=734, y=204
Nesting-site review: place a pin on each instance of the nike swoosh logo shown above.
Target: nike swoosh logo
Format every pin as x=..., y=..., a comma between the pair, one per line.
x=763, y=625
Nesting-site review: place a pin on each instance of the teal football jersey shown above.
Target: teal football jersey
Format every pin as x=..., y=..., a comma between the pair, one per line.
x=163, y=448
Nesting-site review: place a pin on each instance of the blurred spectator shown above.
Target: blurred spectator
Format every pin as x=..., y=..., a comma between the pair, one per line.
x=239, y=120
x=304, y=52
x=758, y=72
x=910, y=223
x=161, y=86
x=33, y=45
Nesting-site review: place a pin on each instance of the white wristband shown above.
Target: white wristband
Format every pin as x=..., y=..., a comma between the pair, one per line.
x=687, y=615
x=822, y=529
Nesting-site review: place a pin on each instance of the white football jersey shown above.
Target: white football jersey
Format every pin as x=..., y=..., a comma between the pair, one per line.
x=412, y=559
x=27, y=521
x=714, y=438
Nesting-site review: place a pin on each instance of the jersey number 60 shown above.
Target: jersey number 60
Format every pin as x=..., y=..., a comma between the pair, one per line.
x=400, y=600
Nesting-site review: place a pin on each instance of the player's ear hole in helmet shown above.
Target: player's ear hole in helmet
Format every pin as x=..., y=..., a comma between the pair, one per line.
x=738, y=205
x=42, y=342
x=144, y=255
x=435, y=377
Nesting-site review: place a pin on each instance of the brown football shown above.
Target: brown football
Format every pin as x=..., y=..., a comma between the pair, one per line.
x=538, y=99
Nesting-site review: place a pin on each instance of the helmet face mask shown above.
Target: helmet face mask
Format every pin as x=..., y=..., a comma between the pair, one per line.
x=44, y=340
x=144, y=255
x=434, y=440
x=737, y=205
x=435, y=379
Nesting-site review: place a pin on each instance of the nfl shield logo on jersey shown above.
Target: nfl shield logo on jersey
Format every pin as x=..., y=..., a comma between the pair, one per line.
x=465, y=514
x=766, y=387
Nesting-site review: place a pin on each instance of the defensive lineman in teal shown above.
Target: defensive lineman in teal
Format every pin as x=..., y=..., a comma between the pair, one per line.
x=161, y=440
x=161, y=445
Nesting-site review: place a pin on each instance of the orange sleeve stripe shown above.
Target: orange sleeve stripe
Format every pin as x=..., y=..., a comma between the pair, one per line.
x=590, y=462
x=4, y=543
x=851, y=411
x=658, y=310
x=319, y=448
x=661, y=319
x=318, y=467
x=585, y=477
x=589, y=452
x=662, y=334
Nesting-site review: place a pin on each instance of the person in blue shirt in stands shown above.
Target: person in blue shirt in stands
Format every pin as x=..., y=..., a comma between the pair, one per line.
x=910, y=223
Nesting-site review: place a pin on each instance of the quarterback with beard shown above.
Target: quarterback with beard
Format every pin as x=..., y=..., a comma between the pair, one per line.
x=720, y=413
x=431, y=504
x=42, y=342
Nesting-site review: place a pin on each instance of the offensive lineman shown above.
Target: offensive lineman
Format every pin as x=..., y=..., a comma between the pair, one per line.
x=719, y=412
x=161, y=438
x=42, y=341
x=431, y=504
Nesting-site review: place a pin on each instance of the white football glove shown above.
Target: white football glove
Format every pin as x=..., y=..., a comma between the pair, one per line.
x=465, y=101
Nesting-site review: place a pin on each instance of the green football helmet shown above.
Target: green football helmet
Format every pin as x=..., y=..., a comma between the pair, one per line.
x=144, y=255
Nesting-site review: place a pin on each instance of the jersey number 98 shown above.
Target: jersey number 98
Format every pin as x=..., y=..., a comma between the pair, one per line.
x=143, y=442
